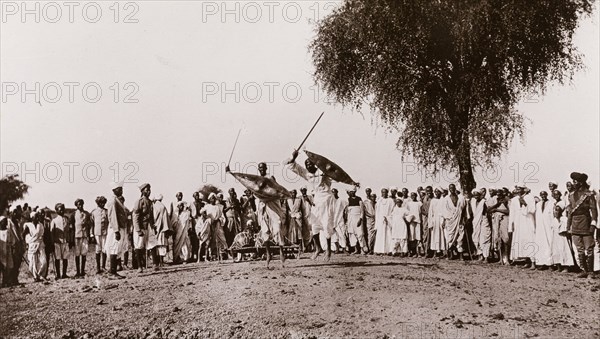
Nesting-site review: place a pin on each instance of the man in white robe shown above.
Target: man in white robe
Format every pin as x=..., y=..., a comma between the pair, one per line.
x=522, y=225
x=163, y=231
x=544, y=215
x=383, y=212
x=414, y=226
x=322, y=217
x=369, y=210
x=34, y=238
x=182, y=247
x=435, y=219
x=481, y=226
x=454, y=209
x=499, y=210
x=339, y=237
x=399, y=220
x=562, y=256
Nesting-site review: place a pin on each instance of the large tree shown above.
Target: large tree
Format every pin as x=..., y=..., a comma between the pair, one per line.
x=447, y=74
x=11, y=189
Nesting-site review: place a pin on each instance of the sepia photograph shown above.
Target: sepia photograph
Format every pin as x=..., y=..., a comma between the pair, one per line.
x=299, y=169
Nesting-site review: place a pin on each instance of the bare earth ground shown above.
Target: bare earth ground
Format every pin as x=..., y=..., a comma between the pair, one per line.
x=351, y=296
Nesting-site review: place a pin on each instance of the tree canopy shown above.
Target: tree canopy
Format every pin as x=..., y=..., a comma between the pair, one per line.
x=447, y=74
x=11, y=189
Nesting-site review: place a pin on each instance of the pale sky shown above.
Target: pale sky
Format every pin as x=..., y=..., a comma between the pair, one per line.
x=183, y=60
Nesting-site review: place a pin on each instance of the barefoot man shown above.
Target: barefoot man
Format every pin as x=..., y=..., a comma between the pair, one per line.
x=322, y=213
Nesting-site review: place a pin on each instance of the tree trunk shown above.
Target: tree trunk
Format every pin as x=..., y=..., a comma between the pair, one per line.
x=463, y=156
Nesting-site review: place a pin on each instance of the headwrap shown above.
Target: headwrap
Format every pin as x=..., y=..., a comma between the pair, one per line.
x=60, y=204
x=212, y=195
x=581, y=177
x=158, y=197
x=393, y=188
x=116, y=184
x=144, y=185
x=78, y=201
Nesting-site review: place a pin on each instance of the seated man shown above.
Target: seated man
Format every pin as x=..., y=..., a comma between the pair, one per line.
x=244, y=239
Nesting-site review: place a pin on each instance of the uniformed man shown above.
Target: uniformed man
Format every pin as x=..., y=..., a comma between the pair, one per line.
x=143, y=222
x=582, y=222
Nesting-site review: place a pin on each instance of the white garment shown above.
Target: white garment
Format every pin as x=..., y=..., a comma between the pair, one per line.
x=543, y=233
x=521, y=223
x=383, y=238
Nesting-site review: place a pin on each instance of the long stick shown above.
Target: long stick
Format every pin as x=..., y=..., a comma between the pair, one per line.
x=309, y=132
x=235, y=144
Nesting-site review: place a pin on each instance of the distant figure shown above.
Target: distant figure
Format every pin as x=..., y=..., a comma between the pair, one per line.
x=61, y=230
x=36, y=253
x=99, y=218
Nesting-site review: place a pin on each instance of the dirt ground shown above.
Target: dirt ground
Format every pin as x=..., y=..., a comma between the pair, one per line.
x=351, y=296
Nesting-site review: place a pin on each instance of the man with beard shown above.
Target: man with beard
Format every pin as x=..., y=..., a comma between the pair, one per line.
x=116, y=235
x=582, y=222
x=143, y=221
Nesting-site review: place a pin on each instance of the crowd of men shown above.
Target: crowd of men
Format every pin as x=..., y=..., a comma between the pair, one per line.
x=549, y=230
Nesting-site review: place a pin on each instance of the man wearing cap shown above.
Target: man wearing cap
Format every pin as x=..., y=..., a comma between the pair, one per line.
x=61, y=230
x=116, y=235
x=522, y=225
x=99, y=218
x=143, y=221
x=80, y=219
x=582, y=222
x=552, y=185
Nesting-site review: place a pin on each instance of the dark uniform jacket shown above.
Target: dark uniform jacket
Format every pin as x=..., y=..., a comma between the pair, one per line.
x=143, y=214
x=582, y=210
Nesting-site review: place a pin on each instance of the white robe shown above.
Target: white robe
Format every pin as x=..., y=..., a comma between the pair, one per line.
x=453, y=221
x=482, y=231
x=561, y=253
x=435, y=220
x=383, y=238
x=36, y=253
x=521, y=223
x=399, y=220
x=182, y=223
x=543, y=233
x=414, y=208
